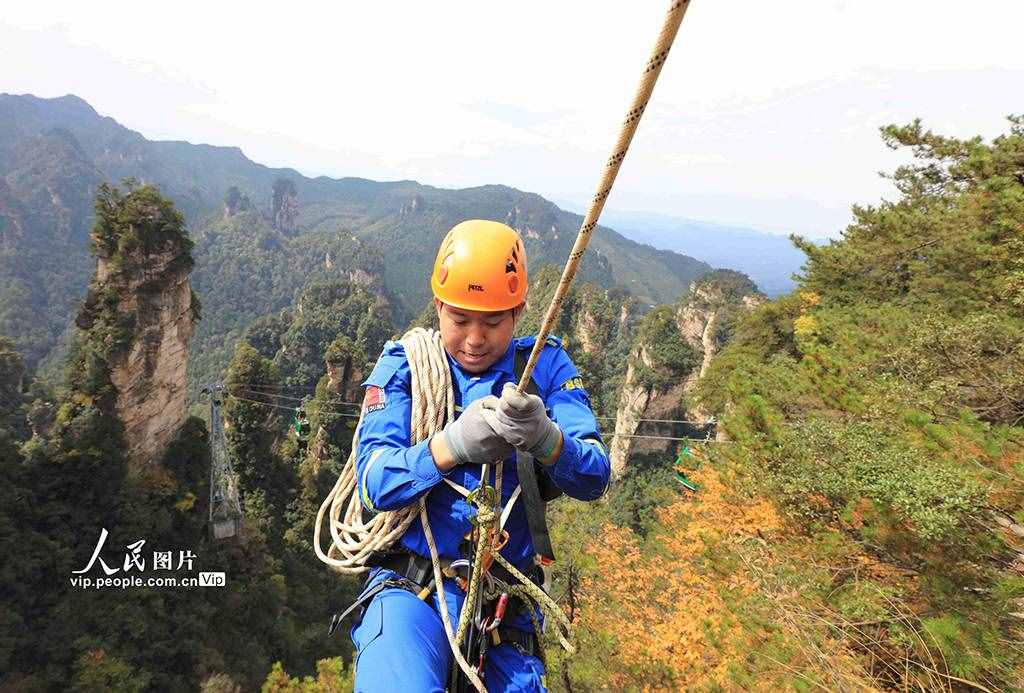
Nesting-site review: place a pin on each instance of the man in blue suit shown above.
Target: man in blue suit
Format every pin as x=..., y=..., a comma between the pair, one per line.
x=479, y=284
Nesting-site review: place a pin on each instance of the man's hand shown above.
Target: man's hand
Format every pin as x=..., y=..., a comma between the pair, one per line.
x=471, y=438
x=521, y=420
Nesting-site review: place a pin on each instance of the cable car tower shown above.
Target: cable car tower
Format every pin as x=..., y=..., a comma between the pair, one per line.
x=225, y=508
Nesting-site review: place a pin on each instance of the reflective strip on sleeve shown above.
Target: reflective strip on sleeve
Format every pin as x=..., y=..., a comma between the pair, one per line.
x=366, y=470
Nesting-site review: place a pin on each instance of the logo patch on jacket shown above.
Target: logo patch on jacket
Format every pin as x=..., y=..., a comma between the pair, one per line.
x=374, y=399
x=573, y=384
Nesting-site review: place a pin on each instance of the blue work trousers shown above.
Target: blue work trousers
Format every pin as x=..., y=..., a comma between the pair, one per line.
x=401, y=646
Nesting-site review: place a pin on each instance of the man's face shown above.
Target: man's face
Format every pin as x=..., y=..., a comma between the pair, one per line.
x=476, y=339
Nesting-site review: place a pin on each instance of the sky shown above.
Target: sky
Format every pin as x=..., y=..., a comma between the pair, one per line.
x=765, y=115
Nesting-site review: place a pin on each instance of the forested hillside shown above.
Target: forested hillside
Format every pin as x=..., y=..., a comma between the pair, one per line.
x=860, y=526
x=70, y=486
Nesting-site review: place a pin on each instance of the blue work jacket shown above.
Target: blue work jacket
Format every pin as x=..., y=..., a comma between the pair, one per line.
x=392, y=474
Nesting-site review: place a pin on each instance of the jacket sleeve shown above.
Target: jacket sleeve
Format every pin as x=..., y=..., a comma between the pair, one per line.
x=583, y=468
x=391, y=473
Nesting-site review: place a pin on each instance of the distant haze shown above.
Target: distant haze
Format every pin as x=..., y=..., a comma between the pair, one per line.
x=770, y=260
x=766, y=116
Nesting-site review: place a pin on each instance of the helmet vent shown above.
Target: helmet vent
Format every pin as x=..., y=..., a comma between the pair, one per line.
x=442, y=271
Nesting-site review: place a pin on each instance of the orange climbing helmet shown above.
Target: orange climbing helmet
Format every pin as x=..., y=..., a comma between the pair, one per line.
x=481, y=265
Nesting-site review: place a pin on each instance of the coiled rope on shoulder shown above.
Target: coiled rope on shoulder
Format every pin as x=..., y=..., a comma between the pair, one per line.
x=433, y=403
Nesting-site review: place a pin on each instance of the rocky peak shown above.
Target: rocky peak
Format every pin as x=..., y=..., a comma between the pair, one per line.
x=366, y=268
x=704, y=316
x=633, y=400
x=597, y=318
x=412, y=206
x=285, y=206
x=587, y=328
x=346, y=369
x=140, y=313
x=673, y=349
x=361, y=277
x=533, y=217
x=236, y=201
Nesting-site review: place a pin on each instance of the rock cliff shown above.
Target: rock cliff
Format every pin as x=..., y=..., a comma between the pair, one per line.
x=285, y=206
x=673, y=348
x=633, y=400
x=140, y=312
x=151, y=378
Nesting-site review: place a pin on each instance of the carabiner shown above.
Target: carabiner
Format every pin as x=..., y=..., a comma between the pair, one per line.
x=499, y=613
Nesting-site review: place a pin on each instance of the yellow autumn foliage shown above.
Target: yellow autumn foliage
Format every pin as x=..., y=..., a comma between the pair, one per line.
x=809, y=299
x=805, y=325
x=669, y=614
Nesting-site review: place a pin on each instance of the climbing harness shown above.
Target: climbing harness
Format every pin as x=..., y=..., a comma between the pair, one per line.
x=354, y=540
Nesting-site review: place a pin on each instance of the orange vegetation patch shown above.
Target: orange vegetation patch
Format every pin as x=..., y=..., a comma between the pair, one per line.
x=665, y=602
x=1012, y=461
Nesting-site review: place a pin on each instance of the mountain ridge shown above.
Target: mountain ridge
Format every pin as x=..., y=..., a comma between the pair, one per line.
x=405, y=218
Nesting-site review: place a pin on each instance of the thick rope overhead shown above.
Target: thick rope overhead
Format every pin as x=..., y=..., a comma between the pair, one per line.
x=643, y=94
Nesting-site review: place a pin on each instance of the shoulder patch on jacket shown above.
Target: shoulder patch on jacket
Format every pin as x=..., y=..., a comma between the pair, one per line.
x=574, y=383
x=374, y=400
x=382, y=373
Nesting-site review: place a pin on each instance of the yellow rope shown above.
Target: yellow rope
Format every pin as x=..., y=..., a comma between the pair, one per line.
x=636, y=110
x=443, y=604
x=552, y=612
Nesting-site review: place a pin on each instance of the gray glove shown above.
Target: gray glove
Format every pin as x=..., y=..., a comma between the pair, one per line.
x=472, y=438
x=522, y=421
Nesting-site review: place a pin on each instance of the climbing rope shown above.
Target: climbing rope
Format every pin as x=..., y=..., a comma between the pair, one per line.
x=433, y=404
x=643, y=94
